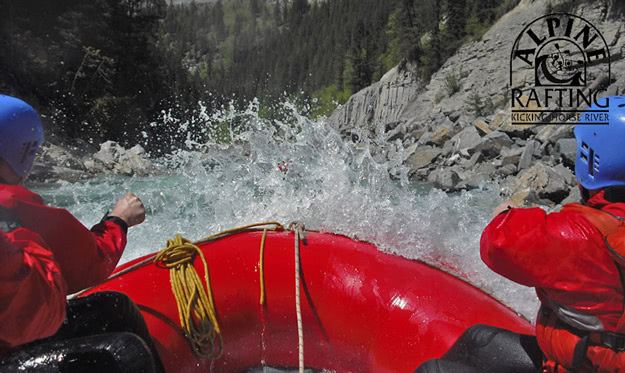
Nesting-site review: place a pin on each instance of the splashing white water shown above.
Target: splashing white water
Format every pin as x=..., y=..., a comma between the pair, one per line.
x=298, y=170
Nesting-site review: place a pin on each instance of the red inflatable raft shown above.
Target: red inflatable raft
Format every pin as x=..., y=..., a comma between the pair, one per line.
x=362, y=310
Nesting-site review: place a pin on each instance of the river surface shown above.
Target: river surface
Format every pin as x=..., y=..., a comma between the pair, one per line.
x=298, y=170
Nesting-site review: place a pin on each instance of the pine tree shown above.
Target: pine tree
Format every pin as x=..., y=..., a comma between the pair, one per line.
x=431, y=56
x=255, y=8
x=361, y=58
x=456, y=19
x=277, y=14
x=298, y=9
x=218, y=20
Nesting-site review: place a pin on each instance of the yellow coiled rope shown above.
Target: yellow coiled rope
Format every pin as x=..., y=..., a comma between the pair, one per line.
x=196, y=306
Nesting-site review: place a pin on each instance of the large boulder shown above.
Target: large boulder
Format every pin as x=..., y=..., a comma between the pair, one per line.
x=52, y=154
x=544, y=181
x=422, y=158
x=444, y=133
x=113, y=158
x=511, y=156
x=446, y=179
x=551, y=134
x=466, y=139
x=476, y=176
x=134, y=161
x=109, y=154
x=475, y=159
x=506, y=170
x=55, y=163
x=575, y=196
x=527, y=156
x=566, y=149
x=482, y=127
x=502, y=122
x=45, y=173
x=491, y=144
x=566, y=173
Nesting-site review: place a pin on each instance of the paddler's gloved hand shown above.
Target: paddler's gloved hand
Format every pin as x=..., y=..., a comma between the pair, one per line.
x=130, y=209
x=505, y=206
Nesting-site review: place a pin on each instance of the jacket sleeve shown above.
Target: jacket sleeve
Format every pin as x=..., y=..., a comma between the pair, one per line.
x=32, y=290
x=560, y=251
x=86, y=257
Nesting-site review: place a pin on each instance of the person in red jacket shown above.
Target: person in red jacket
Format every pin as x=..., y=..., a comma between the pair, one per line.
x=48, y=254
x=575, y=258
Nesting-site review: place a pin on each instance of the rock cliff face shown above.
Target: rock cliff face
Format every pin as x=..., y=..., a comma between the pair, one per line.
x=457, y=127
x=381, y=104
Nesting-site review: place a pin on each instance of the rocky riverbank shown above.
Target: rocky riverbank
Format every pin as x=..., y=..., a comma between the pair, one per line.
x=456, y=129
x=81, y=161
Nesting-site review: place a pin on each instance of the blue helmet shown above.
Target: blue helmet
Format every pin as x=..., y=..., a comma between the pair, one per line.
x=600, y=161
x=21, y=134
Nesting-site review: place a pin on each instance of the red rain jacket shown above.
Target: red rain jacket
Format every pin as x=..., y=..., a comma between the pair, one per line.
x=50, y=256
x=562, y=255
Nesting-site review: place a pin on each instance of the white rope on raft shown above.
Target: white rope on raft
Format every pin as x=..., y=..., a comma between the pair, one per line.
x=298, y=228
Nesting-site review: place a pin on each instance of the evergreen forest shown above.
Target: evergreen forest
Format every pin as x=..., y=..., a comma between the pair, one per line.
x=106, y=69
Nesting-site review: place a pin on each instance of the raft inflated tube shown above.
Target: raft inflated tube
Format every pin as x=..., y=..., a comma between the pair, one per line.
x=363, y=310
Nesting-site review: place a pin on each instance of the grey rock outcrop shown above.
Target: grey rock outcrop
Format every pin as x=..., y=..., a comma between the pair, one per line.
x=54, y=162
x=567, y=151
x=379, y=104
x=529, y=151
x=467, y=139
x=422, y=158
x=544, y=181
x=113, y=158
x=445, y=179
x=492, y=144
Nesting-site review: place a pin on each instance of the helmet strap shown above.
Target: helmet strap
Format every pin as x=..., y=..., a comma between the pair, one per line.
x=585, y=195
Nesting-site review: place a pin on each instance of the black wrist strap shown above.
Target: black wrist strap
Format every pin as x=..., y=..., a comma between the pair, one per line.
x=118, y=221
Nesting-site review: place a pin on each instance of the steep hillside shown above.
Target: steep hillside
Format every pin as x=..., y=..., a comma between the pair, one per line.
x=456, y=128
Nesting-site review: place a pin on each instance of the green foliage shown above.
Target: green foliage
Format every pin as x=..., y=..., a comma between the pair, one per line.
x=452, y=82
x=562, y=6
x=325, y=100
x=504, y=7
x=87, y=65
x=223, y=134
x=440, y=95
x=430, y=31
x=297, y=12
x=479, y=106
x=476, y=28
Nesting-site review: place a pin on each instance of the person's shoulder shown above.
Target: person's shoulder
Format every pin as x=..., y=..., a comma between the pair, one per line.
x=616, y=209
x=13, y=193
x=574, y=223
